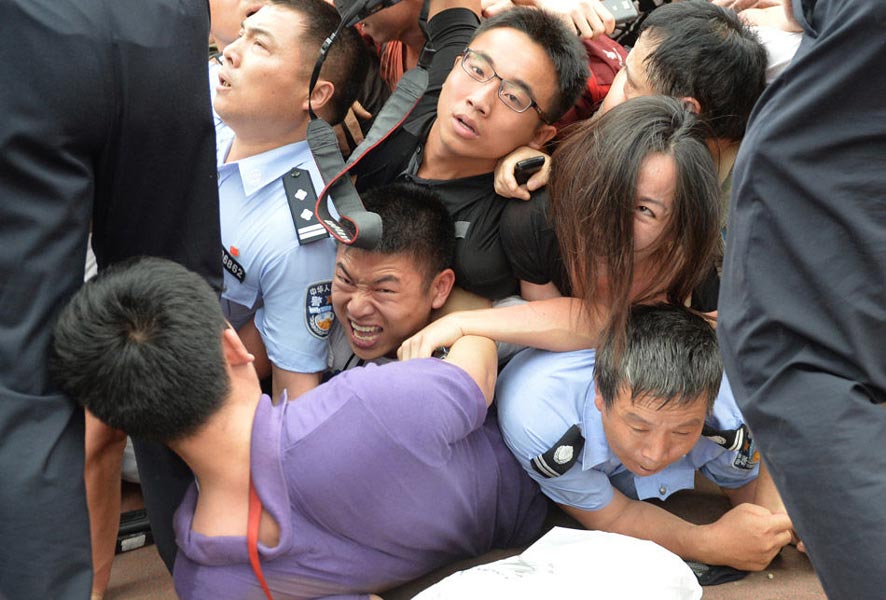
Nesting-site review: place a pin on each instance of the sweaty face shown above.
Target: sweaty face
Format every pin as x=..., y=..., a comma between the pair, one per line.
x=631, y=81
x=263, y=82
x=646, y=438
x=472, y=122
x=380, y=300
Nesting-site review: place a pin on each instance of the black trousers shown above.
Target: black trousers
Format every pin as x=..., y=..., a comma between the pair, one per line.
x=803, y=297
x=104, y=119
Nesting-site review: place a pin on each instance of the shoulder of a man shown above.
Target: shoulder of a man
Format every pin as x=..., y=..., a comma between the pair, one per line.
x=541, y=410
x=529, y=240
x=539, y=396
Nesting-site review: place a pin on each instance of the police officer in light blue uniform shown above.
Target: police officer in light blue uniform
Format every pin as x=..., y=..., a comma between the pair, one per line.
x=542, y=394
x=277, y=257
x=270, y=274
x=666, y=415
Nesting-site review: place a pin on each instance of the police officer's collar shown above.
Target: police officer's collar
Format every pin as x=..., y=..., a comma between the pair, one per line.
x=596, y=451
x=259, y=170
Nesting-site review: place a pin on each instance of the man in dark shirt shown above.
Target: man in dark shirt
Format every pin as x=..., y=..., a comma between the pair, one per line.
x=519, y=73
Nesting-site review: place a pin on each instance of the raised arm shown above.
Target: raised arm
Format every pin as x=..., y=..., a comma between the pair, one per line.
x=478, y=357
x=438, y=6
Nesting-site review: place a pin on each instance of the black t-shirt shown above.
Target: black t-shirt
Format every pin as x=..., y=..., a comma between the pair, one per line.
x=531, y=245
x=481, y=265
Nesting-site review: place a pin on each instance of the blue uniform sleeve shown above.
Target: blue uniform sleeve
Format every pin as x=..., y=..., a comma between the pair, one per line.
x=730, y=469
x=296, y=316
x=540, y=395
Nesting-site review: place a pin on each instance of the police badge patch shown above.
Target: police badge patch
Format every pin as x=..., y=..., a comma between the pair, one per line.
x=747, y=456
x=318, y=309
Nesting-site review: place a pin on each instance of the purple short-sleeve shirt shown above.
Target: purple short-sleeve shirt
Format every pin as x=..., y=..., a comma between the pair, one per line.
x=375, y=478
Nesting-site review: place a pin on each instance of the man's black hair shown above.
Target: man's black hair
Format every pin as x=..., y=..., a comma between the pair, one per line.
x=415, y=223
x=670, y=355
x=140, y=347
x=348, y=60
x=560, y=44
x=706, y=52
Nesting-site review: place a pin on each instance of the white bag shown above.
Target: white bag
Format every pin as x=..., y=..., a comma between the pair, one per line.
x=572, y=564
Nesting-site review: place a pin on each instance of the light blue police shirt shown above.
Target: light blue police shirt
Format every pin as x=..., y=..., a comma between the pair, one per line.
x=540, y=395
x=285, y=286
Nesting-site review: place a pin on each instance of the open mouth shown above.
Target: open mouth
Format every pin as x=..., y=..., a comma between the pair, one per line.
x=365, y=334
x=466, y=126
x=223, y=82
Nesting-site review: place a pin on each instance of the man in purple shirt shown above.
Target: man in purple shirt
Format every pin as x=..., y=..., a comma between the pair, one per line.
x=373, y=479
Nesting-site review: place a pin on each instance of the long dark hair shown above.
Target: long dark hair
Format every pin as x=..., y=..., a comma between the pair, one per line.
x=593, y=195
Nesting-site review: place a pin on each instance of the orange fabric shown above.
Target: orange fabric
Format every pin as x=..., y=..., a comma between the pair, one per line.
x=252, y=538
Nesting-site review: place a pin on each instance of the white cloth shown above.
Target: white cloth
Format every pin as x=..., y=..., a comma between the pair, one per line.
x=572, y=564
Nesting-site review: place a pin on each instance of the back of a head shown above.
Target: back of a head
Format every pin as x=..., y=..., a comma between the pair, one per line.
x=347, y=61
x=706, y=52
x=670, y=353
x=595, y=171
x=140, y=347
x=560, y=44
x=415, y=223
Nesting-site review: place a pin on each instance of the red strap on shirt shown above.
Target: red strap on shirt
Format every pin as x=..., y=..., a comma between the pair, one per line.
x=253, y=520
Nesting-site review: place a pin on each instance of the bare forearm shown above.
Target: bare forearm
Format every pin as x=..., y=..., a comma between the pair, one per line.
x=747, y=537
x=295, y=384
x=556, y=324
x=477, y=356
x=438, y=6
x=765, y=492
x=649, y=522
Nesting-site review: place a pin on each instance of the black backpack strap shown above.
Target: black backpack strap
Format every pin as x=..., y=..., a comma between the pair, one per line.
x=301, y=197
x=367, y=226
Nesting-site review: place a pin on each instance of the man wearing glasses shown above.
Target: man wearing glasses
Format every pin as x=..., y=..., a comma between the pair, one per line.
x=491, y=89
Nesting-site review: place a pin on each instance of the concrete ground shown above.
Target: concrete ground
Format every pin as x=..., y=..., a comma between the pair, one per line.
x=140, y=574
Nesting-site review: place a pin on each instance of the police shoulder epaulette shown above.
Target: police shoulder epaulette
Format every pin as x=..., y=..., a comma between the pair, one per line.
x=302, y=198
x=560, y=457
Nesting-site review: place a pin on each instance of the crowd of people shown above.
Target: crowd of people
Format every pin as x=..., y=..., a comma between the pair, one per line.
x=315, y=418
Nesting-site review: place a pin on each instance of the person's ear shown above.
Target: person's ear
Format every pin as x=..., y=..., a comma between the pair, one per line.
x=692, y=104
x=598, y=398
x=441, y=286
x=322, y=95
x=235, y=352
x=542, y=135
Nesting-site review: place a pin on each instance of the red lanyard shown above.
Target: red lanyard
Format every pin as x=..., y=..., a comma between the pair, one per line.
x=252, y=537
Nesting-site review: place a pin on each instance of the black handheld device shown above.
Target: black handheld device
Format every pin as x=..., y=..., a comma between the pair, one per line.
x=622, y=10
x=524, y=169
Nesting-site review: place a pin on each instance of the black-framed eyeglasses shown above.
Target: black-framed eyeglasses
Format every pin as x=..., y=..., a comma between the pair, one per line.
x=513, y=95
